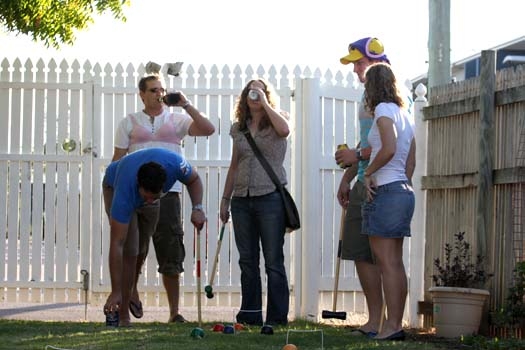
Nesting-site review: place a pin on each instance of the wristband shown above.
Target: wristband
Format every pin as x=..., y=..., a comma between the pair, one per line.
x=197, y=207
x=186, y=105
x=358, y=155
x=226, y=199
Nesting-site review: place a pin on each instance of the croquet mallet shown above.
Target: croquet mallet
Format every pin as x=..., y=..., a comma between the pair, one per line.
x=209, y=288
x=198, y=268
x=341, y=315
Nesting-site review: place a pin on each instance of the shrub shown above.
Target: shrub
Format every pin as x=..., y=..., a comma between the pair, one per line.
x=458, y=270
x=513, y=312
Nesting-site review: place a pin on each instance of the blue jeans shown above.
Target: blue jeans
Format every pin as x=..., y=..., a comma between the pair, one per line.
x=261, y=219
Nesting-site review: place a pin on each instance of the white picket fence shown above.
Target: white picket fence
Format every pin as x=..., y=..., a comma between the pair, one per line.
x=52, y=213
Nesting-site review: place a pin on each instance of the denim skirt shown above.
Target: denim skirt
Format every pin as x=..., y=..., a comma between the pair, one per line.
x=390, y=211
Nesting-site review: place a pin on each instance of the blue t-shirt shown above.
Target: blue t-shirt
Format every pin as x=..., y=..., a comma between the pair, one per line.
x=121, y=175
x=365, y=123
x=364, y=127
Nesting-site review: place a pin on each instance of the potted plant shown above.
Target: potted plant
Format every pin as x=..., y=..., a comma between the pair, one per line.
x=459, y=294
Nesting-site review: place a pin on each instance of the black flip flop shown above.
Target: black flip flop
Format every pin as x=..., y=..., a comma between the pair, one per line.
x=359, y=331
x=136, y=309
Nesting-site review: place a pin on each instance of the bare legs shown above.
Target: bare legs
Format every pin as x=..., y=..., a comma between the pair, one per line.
x=389, y=255
x=133, y=288
x=370, y=278
x=172, y=286
x=127, y=284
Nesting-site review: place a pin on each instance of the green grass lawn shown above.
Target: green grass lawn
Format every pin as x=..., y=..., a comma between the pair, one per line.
x=77, y=335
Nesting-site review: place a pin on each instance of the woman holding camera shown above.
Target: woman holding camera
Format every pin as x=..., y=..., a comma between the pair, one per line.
x=256, y=205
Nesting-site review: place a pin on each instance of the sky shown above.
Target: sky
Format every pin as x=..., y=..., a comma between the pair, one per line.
x=279, y=32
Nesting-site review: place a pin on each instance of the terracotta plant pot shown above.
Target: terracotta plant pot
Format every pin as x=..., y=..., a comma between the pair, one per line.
x=457, y=311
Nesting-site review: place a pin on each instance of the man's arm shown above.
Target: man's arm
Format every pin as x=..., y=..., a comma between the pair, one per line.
x=351, y=156
x=118, y=235
x=201, y=125
x=344, y=186
x=195, y=191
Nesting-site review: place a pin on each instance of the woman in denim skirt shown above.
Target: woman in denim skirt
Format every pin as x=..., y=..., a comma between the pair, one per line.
x=256, y=206
x=390, y=199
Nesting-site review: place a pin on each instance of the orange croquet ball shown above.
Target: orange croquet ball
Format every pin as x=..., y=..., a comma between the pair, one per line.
x=289, y=347
x=238, y=327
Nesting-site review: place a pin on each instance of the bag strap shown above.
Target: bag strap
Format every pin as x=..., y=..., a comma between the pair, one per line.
x=262, y=160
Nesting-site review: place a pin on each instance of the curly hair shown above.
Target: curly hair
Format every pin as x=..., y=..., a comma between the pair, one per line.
x=242, y=111
x=381, y=86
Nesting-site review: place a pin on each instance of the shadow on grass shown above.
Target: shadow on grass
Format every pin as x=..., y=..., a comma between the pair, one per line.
x=41, y=307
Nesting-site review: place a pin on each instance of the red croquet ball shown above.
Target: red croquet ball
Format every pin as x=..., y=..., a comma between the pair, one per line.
x=219, y=327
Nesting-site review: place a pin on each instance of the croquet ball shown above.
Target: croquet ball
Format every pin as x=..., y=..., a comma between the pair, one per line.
x=197, y=333
x=238, y=327
x=228, y=330
x=219, y=327
x=208, y=289
x=268, y=330
x=289, y=347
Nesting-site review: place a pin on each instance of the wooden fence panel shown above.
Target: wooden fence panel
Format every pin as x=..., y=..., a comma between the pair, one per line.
x=452, y=179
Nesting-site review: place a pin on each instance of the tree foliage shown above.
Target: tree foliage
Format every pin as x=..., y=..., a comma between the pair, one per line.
x=55, y=21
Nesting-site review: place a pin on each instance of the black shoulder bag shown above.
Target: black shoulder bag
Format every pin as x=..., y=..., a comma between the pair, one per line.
x=293, y=221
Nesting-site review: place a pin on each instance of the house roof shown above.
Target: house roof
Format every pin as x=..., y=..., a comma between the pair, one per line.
x=517, y=44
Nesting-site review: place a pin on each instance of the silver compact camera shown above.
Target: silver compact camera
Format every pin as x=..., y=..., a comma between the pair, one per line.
x=253, y=95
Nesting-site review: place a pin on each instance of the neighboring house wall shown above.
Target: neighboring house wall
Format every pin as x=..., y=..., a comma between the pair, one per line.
x=472, y=67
